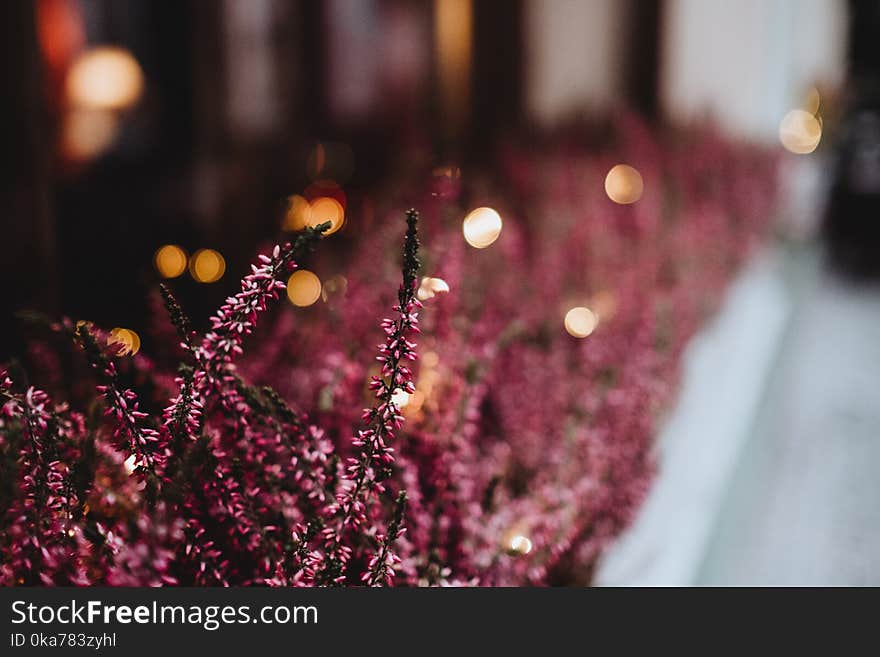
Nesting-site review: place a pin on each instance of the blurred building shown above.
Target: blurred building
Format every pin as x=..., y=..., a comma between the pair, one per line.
x=209, y=115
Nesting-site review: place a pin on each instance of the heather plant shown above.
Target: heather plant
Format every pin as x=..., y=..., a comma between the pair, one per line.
x=285, y=450
x=226, y=485
x=527, y=450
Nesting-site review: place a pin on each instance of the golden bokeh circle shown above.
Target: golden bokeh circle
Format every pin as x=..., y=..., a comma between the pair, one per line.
x=800, y=132
x=130, y=341
x=624, y=184
x=327, y=208
x=481, y=227
x=207, y=266
x=170, y=261
x=106, y=78
x=580, y=322
x=303, y=288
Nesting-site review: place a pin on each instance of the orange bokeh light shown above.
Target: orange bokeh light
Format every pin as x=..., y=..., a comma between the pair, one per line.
x=624, y=184
x=303, y=288
x=481, y=227
x=580, y=322
x=129, y=340
x=170, y=261
x=298, y=214
x=207, y=266
x=329, y=209
x=105, y=78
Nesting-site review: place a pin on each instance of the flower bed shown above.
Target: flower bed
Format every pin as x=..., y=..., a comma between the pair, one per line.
x=499, y=451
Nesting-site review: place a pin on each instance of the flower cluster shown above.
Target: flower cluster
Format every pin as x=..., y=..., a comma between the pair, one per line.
x=142, y=446
x=508, y=452
x=227, y=485
x=362, y=480
x=527, y=450
x=42, y=541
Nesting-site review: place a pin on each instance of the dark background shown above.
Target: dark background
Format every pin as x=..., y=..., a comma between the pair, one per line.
x=77, y=235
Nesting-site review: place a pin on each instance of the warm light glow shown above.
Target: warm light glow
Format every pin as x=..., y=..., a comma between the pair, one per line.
x=450, y=171
x=520, y=544
x=580, y=322
x=61, y=31
x=298, y=214
x=170, y=261
x=333, y=287
x=129, y=340
x=800, y=132
x=329, y=209
x=453, y=40
x=400, y=398
x=604, y=304
x=427, y=380
x=106, y=78
x=624, y=184
x=207, y=266
x=431, y=287
x=87, y=133
x=813, y=101
x=303, y=288
x=482, y=227
x=415, y=402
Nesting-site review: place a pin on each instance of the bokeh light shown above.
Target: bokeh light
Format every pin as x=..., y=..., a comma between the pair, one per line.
x=580, y=322
x=62, y=33
x=327, y=208
x=207, y=266
x=414, y=403
x=520, y=544
x=624, y=184
x=454, y=45
x=303, y=288
x=334, y=287
x=400, y=398
x=430, y=359
x=813, y=101
x=604, y=304
x=430, y=287
x=87, y=133
x=170, y=261
x=800, y=132
x=299, y=212
x=107, y=78
x=129, y=340
x=482, y=227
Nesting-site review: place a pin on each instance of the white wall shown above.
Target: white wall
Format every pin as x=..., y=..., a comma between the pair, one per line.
x=252, y=106
x=750, y=61
x=575, y=56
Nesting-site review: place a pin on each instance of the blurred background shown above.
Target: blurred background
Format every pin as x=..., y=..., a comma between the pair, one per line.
x=199, y=126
